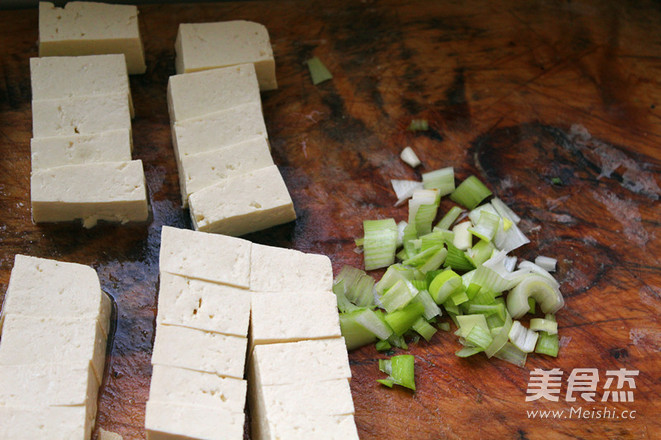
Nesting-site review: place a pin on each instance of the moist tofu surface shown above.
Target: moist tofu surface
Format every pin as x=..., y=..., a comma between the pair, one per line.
x=53, y=423
x=242, y=204
x=77, y=76
x=205, y=169
x=293, y=362
x=113, y=191
x=77, y=149
x=189, y=387
x=87, y=28
x=218, y=130
x=199, y=350
x=209, y=257
x=201, y=46
x=41, y=287
x=192, y=95
x=330, y=397
x=203, y=305
x=275, y=269
x=318, y=427
x=78, y=342
x=168, y=421
x=293, y=316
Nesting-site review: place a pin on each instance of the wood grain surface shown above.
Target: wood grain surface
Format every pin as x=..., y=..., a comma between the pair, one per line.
x=518, y=92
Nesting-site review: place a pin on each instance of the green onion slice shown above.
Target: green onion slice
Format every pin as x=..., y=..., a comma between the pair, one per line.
x=318, y=72
x=470, y=192
x=442, y=180
x=380, y=243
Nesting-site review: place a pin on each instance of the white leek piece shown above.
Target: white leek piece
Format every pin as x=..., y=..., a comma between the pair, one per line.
x=546, y=263
x=538, y=287
x=462, y=236
x=523, y=338
x=409, y=156
x=404, y=189
x=380, y=243
x=442, y=180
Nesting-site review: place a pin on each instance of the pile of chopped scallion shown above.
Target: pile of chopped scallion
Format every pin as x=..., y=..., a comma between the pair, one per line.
x=460, y=265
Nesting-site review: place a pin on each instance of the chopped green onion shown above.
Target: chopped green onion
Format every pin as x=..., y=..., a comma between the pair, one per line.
x=371, y=321
x=479, y=336
x=398, y=341
x=409, y=157
x=432, y=239
x=387, y=382
x=468, y=351
x=467, y=322
x=318, y=71
x=380, y=243
x=470, y=192
x=442, y=180
x=505, y=211
x=421, y=197
x=484, y=296
x=445, y=326
x=462, y=236
x=343, y=303
x=459, y=297
x=431, y=308
x=444, y=285
x=449, y=218
x=421, y=257
x=424, y=218
x=556, y=181
x=457, y=260
x=355, y=335
x=538, y=287
x=394, y=273
x=383, y=346
x=546, y=263
x=424, y=329
x=435, y=261
x=358, y=286
x=480, y=252
x=400, y=370
x=486, y=226
x=398, y=296
x=545, y=325
x=510, y=353
x=547, y=344
x=531, y=305
x=418, y=125
x=524, y=339
x=403, y=319
x=404, y=189
x=500, y=338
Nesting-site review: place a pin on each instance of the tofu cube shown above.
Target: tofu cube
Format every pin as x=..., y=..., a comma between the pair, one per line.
x=242, y=204
x=318, y=427
x=201, y=170
x=188, y=387
x=209, y=257
x=171, y=421
x=78, y=149
x=275, y=269
x=293, y=316
x=111, y=191
x=88, y=28
x=192, y=95
x=202, y=46
x=198, y=350
x=203, y=305
x=54, y=422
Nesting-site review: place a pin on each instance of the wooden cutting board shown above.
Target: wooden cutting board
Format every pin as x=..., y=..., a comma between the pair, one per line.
x=518, y=92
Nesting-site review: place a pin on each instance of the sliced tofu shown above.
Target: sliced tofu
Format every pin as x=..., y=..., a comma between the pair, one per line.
x=53, y=423
x=87, y=28
x=170, y=421
x=209, y=257
x=68, y=77
x=188, y=387
x=28, y=340
x=198, y=350
x=205, y=169
x=111, y=191
x=275, y=269
x=56, y=151
x=242, y=204
x=42, y=288
x=293, y=316
x=318, y=427
x=203, y=305
x=192, y=95
x=293, y=362
x=202, y=46
x=218, y=130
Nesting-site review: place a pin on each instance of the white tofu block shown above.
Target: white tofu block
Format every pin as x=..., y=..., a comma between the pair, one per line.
x=68, y=77
x=203, y=305
x=275, y=269
x=293, y=316
x=320, y=427
x=52, y=423
x=293, y=362
x=49, y=385
x=242, y=204
x=77, y=149
x=111, y=191
x=205, y=169
x=329, y=398
x=90, y=28
x=202, y=46
x=168, y=421
x=198, y=350
x=42, y=288
x=218, y=130
x=188, y=387
x=28, y=340
x=192, y=95
x=209, y=257
x=80, y=115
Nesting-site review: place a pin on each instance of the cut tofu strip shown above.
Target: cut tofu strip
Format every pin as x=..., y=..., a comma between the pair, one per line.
x=193, y=95
x=209, y=257
x=201, y=170
x=80, y=115
x=243, y=204
x=86, y=28
x=171, y=421
x=53, y=423
x=189, y=387
x=42, y=288
x=275, y=269
x=217, y=130
x=56, y=151
x=112, y=191
x=203, y=305
x=199, y=350
x=69, y=77
x=290, y=317
x=319, y=427
x=202, y=46
x=29, y=340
